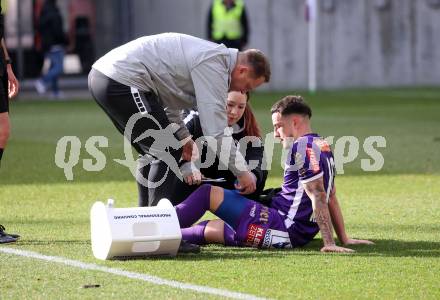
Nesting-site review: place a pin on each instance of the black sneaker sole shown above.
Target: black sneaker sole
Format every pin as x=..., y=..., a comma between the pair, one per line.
x=186, y=247
x=7, y=239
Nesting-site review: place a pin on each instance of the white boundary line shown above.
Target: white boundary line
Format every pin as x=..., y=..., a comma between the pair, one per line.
x=133, y=275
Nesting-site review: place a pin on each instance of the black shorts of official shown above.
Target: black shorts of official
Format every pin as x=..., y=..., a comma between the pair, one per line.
x=120, y=102
x=4, y=100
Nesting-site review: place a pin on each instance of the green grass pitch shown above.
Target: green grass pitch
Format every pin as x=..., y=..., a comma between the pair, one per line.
x=397, y=207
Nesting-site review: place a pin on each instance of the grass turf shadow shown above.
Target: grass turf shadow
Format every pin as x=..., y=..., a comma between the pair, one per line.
x=383, y=247
x=51, y=242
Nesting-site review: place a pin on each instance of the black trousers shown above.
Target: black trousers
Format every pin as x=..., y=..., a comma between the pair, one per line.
x=120, y=103
x=174, y=190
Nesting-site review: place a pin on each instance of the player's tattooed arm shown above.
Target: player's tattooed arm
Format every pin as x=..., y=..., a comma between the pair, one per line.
x=316, y=192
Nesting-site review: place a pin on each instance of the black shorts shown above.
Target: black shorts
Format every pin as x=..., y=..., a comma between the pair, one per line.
x=119, y=102
x=4, y=100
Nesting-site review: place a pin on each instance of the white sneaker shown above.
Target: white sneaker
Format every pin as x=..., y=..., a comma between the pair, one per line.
x=40, y=87
x=57, y=96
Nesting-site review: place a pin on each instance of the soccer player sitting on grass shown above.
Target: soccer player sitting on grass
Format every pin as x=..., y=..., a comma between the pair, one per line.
x=305, y=205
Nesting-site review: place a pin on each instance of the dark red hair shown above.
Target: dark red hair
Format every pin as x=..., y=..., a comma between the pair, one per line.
x=251, y=127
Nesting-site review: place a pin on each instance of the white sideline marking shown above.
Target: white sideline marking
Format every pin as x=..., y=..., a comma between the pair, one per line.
x=133, y=275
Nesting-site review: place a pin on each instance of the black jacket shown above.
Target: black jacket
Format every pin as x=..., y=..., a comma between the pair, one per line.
x=252, y=154
x=2, y=54
x=50, y=25
x=2, y=24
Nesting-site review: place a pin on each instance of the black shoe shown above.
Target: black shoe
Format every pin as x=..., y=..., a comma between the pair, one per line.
x=3, y=233
x=186, y=247
x=4, y=238
x=14, y=235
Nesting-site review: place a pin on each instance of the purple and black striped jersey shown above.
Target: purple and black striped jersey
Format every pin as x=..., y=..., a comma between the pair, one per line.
x=310, y=158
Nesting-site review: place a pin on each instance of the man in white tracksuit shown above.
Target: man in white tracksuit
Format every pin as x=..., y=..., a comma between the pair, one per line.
x=163, y=74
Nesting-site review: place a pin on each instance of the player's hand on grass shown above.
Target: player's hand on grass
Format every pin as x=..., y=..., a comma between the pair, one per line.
x=358, y=242
x=247, y=183
x=337, y=249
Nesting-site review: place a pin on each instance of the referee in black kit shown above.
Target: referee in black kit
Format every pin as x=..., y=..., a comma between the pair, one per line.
x=8, y=89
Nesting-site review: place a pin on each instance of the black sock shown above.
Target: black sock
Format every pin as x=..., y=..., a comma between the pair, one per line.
x=1, y=154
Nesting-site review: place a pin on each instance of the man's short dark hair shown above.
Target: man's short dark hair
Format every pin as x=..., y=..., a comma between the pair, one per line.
x=292, y=105
x=259, y=63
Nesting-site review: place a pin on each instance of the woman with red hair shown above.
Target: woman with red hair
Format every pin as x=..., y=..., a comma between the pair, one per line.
x=244, y=125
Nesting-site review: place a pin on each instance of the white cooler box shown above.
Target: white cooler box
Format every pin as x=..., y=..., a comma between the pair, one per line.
x=120, y=233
